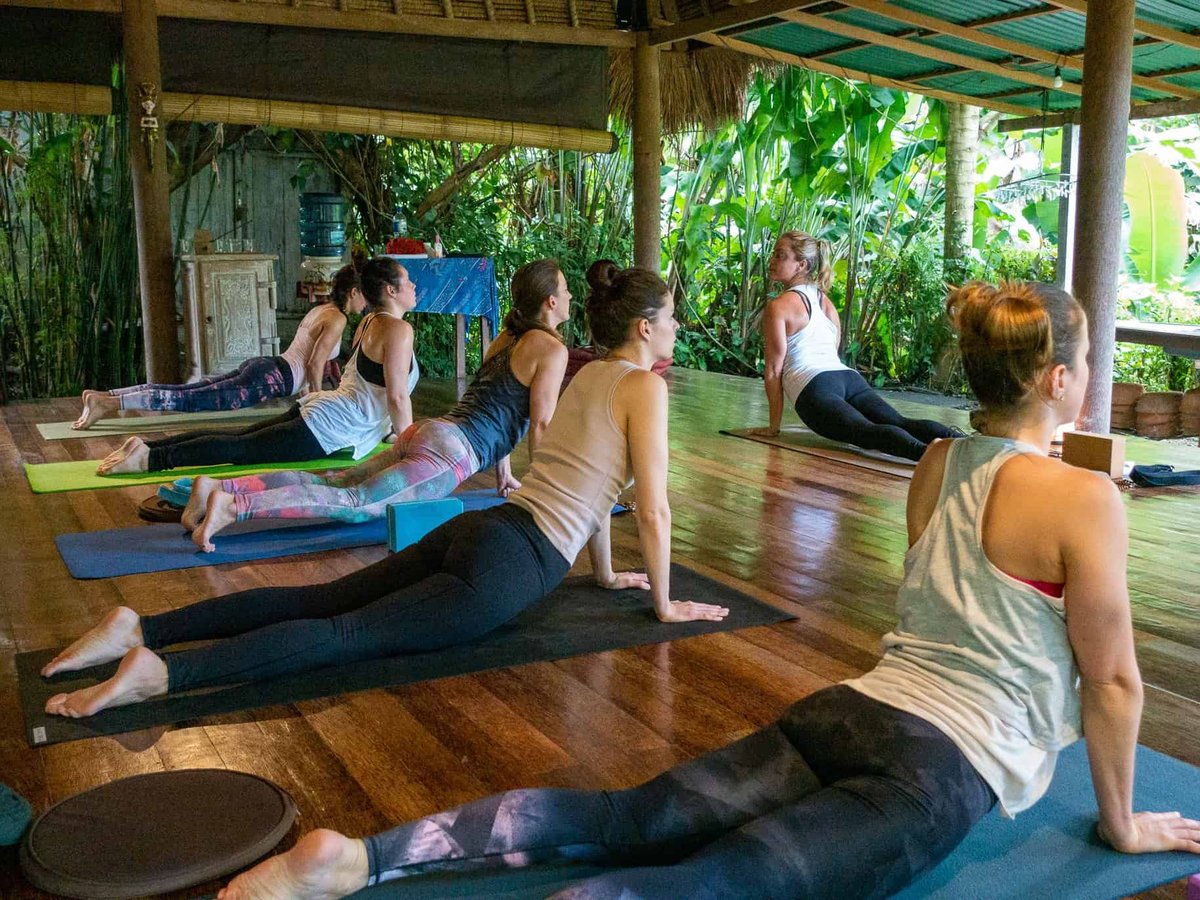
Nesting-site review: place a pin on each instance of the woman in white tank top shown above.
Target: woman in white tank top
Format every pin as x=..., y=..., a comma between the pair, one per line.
x=862, y=787
x=801, y=333
x=372, y=399
x=259, y=379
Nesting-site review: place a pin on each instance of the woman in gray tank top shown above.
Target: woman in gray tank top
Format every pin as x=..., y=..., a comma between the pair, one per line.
x=516, y=388
x=862, y=787
x=464, y=578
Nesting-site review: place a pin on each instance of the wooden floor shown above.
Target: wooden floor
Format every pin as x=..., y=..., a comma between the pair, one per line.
x=818, y=538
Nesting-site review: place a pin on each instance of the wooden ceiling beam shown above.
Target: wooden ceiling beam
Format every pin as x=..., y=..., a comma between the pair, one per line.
x=824, y=68
x=996, y=42
x=1137, y=111
x=729, y=17
x=94, y=100
x=355, y=20
x=1143, y=26
x=926, y=51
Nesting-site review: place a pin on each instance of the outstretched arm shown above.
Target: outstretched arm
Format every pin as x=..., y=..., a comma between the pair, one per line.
x=774, y=330
x=327, y=338
x=644, y=400
x=397, y=363
x=1100, y=629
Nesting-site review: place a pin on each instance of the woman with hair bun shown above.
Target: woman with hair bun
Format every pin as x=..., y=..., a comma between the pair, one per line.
x=801, y=333
x=371, y=400
x=318, y=339
x=515, y=389
x=864, y=786
x=464, y=578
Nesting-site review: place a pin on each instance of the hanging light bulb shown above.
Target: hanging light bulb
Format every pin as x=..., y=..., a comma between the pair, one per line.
x=1057, y=82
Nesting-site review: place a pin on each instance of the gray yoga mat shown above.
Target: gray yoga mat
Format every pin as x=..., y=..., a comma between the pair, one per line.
x=576, y=618
x=147, y=424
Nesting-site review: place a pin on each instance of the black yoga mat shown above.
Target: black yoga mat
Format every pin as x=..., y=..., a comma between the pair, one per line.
x=576, y=618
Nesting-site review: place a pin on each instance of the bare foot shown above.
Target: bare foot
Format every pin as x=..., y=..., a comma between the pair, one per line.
x=197, y=505
x=96, y=405
x=323, y=864
x=133, y=457
x=141, y=674
x=111, y=638
x=220, y=513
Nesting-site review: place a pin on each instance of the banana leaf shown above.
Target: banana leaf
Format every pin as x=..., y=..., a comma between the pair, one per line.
x=1154, y=195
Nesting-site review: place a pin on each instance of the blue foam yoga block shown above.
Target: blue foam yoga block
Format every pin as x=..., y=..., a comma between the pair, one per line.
x=409, y=522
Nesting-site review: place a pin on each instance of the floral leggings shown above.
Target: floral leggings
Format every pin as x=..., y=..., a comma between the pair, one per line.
x=428, y=461
x=843, y=797
x=255, y=381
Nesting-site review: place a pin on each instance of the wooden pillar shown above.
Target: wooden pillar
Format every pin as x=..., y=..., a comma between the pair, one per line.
x=1107, y=76
x=1067, y=204
x=647, y=157
x=151, y=191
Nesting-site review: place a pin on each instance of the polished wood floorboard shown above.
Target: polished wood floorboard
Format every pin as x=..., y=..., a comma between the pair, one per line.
x=819, y=538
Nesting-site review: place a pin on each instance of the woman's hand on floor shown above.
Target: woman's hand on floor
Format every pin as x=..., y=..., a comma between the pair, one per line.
x=687, y=611
x=619, y=581
x=1154, y=833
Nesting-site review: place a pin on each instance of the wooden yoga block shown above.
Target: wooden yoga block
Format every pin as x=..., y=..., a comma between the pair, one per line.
x=409, y=522
x=1098, y=452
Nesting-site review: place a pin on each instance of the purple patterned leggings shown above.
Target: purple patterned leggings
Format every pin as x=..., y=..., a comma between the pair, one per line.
x=255, y=381
x=428, y=461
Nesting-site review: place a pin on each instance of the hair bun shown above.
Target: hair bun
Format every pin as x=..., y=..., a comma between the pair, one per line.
x=601, y=274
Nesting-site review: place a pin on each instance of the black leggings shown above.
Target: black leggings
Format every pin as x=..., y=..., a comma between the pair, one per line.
x=459, y=582
x=843, y=797
x=841, y=406
x=282, y=438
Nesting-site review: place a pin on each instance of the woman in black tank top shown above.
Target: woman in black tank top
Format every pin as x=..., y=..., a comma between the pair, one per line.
x=431, y=457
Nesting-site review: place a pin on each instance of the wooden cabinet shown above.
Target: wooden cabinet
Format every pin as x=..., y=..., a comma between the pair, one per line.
x=228, y=311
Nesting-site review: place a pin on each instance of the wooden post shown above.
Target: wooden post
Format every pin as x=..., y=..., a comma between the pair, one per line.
x=151, y=193
x=1104, y=114
x=460, y=354
x=1064, y=264
x=647, y=157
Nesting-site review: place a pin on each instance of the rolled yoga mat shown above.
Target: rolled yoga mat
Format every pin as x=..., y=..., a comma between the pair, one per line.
x=153, y=833
x=576, y=618
x=162, y=548
x=1048, y=851
x=147, y=424
x=80, y=475
x=805, y=441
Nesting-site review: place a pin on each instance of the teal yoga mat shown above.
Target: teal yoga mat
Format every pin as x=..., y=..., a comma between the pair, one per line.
x=146, y=424
x=80, y=475
x=1048, y=851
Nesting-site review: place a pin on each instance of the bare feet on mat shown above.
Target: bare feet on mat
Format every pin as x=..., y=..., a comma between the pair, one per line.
x=133, y=457
x=142, y=674
x=197, y=505
x=111, y=638
x=323, y=864
x=96, y=405
x=219, y=514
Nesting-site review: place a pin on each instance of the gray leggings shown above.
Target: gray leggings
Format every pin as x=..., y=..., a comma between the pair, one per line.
x=843, y=797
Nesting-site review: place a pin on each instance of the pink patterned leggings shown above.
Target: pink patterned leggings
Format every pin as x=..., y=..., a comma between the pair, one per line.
x=428, y=461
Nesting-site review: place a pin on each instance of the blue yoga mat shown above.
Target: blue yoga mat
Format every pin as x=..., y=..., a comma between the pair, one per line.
x=1050, y=851
x=161, y=548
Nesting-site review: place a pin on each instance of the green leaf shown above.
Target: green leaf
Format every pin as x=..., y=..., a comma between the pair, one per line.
x=1154, y=195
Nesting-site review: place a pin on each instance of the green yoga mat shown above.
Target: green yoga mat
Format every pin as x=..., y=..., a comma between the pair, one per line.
x=62, y=431
x=80, y=475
